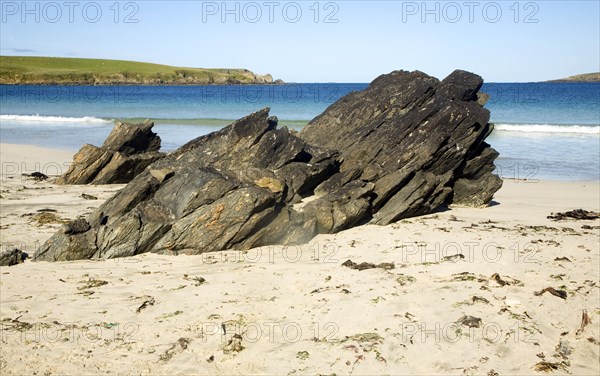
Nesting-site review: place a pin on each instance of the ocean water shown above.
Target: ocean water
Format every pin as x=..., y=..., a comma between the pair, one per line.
x=547, y=131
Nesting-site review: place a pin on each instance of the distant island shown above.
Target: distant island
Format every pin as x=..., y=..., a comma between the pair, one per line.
x=587, y=77
x=20, y=70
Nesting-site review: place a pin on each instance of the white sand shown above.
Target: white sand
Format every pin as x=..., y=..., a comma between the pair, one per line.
x=297, y=309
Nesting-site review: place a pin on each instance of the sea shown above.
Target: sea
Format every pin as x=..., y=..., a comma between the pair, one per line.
x=543, y=131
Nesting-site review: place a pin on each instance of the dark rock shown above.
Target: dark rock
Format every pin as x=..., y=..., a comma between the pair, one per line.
x=223, y=190
x=420, y=141
x=12, y=257
x=127, y=151
x=78, y=226
x=470, y=321
x=130, y=139
x=37, y=176
x=403, y=147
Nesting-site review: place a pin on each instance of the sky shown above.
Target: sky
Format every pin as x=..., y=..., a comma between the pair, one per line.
x=318, y=41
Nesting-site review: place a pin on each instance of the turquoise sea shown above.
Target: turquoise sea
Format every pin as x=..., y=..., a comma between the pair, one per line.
x=548, y=131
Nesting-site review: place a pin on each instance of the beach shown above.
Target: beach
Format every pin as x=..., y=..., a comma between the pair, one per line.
x=459, y=291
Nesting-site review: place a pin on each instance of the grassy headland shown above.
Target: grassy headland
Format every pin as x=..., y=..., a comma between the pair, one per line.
x=587, y=77
x=75, y=71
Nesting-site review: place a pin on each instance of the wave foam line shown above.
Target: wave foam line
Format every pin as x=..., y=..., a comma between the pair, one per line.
x=548, y=128
x=52, y=119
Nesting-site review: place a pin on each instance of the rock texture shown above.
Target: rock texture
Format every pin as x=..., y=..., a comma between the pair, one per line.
x=12, y=257
x=127, y=151
x=405, y=146
x=418, y=140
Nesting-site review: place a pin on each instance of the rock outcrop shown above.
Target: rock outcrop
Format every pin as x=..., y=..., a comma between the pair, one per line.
x=405, y=146
x=127, y=151
x=418, y=140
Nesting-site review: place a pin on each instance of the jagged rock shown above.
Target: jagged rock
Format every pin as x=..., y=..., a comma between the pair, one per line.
x=216, y=192
x=404, y=146
x=416, y=139
x=264, y=79
x=12, y=257
x=127, y=151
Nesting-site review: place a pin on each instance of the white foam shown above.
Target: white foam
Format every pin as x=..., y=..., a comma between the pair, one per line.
x=548, y=128
x=52, y=119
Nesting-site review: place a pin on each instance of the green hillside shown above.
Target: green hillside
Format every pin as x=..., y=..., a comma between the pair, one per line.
x=59, y=70
x=587, y=77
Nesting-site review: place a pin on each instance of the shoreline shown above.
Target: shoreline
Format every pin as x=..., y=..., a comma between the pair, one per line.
x=144, y=84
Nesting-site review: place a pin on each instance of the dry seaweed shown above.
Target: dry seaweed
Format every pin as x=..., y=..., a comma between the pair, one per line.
x=16, y=324
x=179, y=346
x=367, y=265
x=560, y=293
x=500, y=281
x=562, y=259
x=453, y=257
x=146, y=304
x=91, y=283
x=576, y=214
x=549, y=366
x=404, y=279
x=585, y=320
x=46, y=217
x=467, y=277
x=234, y=344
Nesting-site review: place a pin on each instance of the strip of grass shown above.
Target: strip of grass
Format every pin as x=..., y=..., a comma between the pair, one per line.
x=59, y=70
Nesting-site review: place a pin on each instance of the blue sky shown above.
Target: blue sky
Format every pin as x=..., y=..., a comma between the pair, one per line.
x=318, y=41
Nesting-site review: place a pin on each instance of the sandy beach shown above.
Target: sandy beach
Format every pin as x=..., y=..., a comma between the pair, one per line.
x=461, y=291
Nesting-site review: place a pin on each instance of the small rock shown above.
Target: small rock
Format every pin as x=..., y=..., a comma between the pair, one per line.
x=12, y=257
x=274, y=185
x=470, y=321
x=37, y=176
x=78, y=226
x=162, y=174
